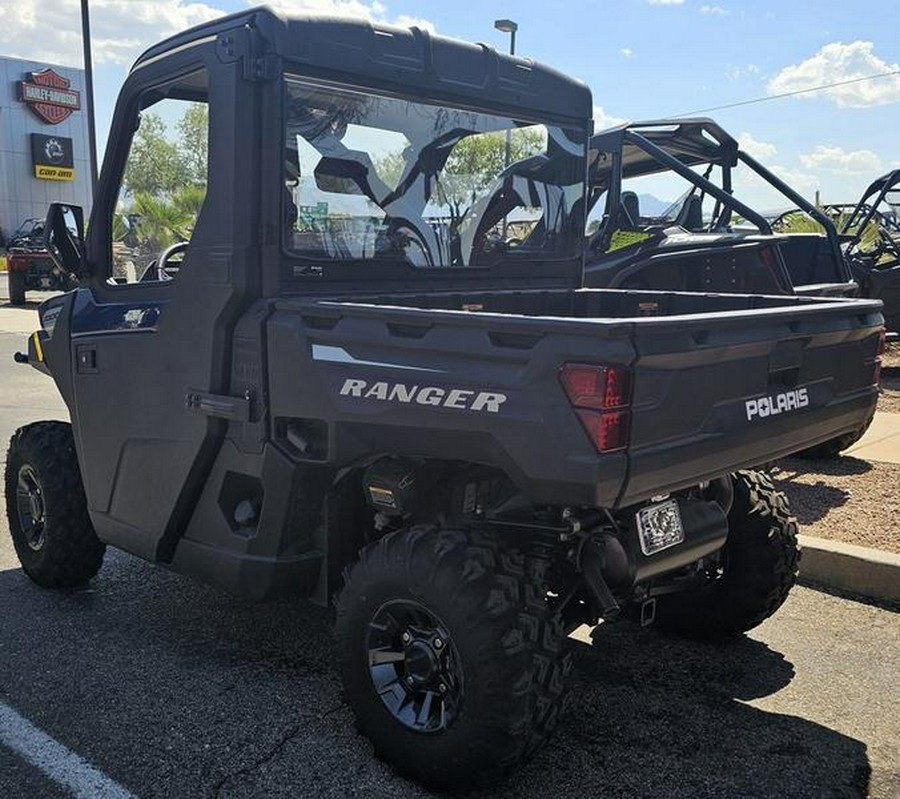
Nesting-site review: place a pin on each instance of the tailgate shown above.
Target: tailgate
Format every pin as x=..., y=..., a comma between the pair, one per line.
x=720, y=392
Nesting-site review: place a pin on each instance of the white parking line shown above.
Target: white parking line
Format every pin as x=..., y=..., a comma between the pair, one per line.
x=54, y=760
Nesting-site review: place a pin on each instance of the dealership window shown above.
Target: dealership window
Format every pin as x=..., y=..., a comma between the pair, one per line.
x=163, y=185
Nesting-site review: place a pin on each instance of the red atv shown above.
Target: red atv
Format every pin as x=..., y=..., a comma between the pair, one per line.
x=30, y=266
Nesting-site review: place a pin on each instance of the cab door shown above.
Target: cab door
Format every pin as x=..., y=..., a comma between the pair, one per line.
x=171, y=244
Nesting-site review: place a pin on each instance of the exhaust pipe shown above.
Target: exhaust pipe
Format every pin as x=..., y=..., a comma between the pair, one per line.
x=616, y=563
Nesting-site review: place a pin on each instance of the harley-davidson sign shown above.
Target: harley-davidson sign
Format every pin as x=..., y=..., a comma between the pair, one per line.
x=48, y=95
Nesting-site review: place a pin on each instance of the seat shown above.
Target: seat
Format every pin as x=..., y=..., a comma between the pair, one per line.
x=691, y=216
x=632, y=207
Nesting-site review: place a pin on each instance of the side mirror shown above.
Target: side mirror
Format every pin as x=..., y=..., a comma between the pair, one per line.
x=64, y=238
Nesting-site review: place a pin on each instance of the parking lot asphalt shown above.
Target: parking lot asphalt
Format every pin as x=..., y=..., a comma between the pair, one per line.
x=22, y=318
x=172, y=689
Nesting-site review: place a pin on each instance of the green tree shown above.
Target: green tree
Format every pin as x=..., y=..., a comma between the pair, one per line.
x=193, y=142
x=160, y=223
x=472, y=167
x=154, y=163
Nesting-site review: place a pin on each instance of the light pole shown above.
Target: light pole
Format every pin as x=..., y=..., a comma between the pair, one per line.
x=89, y=91
x=510, y=27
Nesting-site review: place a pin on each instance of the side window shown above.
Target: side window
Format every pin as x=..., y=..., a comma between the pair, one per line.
x=163, y=185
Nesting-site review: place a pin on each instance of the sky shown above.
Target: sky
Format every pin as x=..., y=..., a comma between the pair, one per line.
x=642, y=59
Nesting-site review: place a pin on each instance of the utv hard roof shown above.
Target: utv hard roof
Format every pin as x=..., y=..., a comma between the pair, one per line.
x=408, y=60
x=692, y=141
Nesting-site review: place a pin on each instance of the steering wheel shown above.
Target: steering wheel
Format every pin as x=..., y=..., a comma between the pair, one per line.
x=883, y=245
x=163, y=270
x=886, y=245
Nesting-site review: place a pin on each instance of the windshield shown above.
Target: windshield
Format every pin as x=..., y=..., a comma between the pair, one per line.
x=372, y=177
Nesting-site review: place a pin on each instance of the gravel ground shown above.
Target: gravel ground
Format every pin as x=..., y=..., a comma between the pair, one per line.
x=846, y=499
x=890, y=380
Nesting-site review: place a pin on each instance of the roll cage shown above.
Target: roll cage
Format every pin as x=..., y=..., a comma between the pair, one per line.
x=651, y=147
x=868, y=209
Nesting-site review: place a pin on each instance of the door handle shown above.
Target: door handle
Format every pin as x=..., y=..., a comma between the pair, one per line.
x=221, y=406
x=86, y=359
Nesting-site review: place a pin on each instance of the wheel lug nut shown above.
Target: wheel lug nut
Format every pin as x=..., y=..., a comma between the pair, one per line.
x=406, y=638
x=438, y=643
x=442, y=688
x=409, y=680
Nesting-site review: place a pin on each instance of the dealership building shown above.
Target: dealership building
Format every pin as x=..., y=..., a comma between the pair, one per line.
x=44, y=153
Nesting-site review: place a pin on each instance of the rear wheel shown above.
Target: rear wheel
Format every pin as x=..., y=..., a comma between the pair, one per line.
x=46, y=507
x=756, y=571
x=834, y=446
x=16, y=284
x=450, y=655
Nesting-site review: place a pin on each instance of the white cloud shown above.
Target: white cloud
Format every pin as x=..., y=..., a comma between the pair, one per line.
x=50, y=30
x=758, y=149
x=837, y=62
x=627, y=52
x=602, y=120
x=716, y=11
x=665, y=2
x=841, y=162
x=802, y=182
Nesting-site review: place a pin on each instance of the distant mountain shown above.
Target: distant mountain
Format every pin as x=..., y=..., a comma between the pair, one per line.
x=652, y=206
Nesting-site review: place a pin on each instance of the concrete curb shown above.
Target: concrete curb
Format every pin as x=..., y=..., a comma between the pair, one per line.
x=871, y=573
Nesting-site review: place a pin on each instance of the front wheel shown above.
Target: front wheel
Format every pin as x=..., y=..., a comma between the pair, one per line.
x=46, y=507
x=450, y=656
x=756, y=570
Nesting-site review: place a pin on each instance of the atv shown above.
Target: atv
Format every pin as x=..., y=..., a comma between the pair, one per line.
x=29, y=265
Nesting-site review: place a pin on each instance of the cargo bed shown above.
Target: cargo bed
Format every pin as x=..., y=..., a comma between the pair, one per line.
x=720, y=381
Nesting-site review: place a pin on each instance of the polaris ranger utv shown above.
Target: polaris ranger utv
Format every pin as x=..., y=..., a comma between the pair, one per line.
x=375, y=374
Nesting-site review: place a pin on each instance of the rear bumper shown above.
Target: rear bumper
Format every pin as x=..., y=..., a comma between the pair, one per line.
x=27, y=262
x=669, y=467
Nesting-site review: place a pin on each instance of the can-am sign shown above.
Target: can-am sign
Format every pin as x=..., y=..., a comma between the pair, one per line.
x=52, y=157
x=48, y=95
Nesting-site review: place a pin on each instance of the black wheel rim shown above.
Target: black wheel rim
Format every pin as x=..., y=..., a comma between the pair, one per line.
x=30, y=507
x=414, y=666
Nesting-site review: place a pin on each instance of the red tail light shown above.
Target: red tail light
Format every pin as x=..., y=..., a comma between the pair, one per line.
x=608, y=431
x=601, y=396
x=597, y=387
